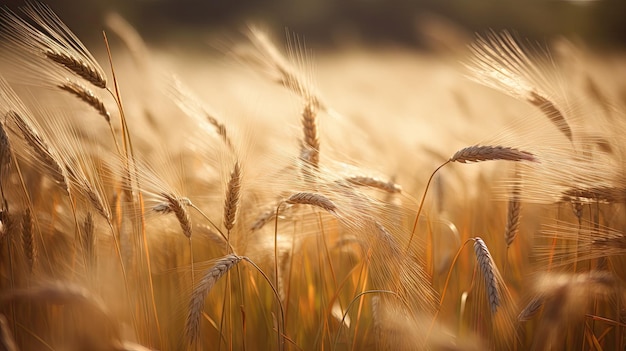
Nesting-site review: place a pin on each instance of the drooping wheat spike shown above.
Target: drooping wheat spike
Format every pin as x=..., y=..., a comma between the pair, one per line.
x=311, y=144
x=531, y=308
x=281, y=71
x=191, y=105
x=200, y=292
x=41, y=149
x=179, y=207
x=263, y=219
x=376, y=183
x=479, y=153
x=602, y=194
x=313, y=199
x=550, y=110
x=51, y=39
x=501, y=63
x=513, y=216
x=6, y=337
x=78, y=67
x=487, y=268
x=233, y=194
x=28, y=239
x=87, y=96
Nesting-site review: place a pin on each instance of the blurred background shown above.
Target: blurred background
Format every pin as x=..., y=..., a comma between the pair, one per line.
x=332, y=22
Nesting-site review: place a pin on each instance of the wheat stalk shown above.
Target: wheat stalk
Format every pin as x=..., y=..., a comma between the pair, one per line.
x=488, y=270
x=233, y=194
x=87, y=96
x=479, y=153
x=200, y=292
x=312, y=199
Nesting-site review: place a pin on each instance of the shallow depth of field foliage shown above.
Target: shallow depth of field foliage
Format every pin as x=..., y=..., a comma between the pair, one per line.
x=268, y=196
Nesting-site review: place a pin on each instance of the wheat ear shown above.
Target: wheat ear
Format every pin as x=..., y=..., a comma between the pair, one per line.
x=233, y=194
x=88, y=241
x=550, y=110
x=200, y=292
x=50, y=38
x=283, y=72
x=87, y=96
x=41, y=149
x=479, y=153
x=376, y=183
x=488, y=270
x=312, y=199
x=513, y=216
x=179, y=207
x=28, y=239
x=311, y=147
x=5, y=160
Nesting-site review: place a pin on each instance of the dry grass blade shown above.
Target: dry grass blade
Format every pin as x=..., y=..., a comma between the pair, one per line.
x=488, y=270
x=41, y=149
x=87, y=96
x=479, y=153
x=179, y=207
x=28, y=239
x=233, y=194
x=200, y=292
x=376, y=183
x=312, y=199
x=513, y=216
x=7, y=342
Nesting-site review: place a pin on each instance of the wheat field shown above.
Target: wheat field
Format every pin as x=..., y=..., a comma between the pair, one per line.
x=271, y=197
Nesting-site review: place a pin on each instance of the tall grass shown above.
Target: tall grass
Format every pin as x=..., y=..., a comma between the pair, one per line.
x=167, y=225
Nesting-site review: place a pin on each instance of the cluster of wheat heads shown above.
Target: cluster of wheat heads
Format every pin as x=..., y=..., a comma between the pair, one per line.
x=119, y=232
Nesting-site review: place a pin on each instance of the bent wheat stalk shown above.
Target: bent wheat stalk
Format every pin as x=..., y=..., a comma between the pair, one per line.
x=475, y=154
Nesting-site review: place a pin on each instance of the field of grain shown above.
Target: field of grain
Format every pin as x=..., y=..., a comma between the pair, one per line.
x=267, y=196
